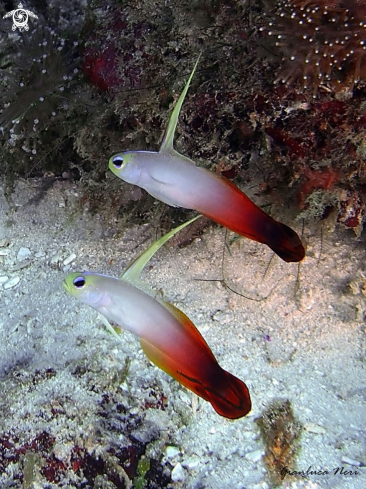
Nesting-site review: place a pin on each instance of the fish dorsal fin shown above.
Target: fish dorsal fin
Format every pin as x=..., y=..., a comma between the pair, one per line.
x=168, y=140
x=134, y=269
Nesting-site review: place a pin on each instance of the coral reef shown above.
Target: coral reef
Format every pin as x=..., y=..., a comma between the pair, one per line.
x=313, y=145
x=37, y=94
x=110, y=445
x=40, y=76
x=133, y=59
x=314, y=121
x=323, y=42
x=280, y=432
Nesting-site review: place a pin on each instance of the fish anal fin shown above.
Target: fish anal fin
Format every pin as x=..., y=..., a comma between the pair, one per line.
x=168, y=365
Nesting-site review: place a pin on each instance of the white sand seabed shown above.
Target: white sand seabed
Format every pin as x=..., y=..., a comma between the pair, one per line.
x=305, y=342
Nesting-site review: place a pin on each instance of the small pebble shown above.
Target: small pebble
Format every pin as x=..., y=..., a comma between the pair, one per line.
x=223, y=317
x=37, y=485
x=315, y=428
x=178, y=474
x=56, y=259
x=254, y=456
x=22, y=265
x=350, y=461
x=171, y=451
x=30, y=325
x=3, y=279
x=23, y=253
x=186, y=398
x=69, y=259
x=4, y=243
x=11, y=283
x=191, y=463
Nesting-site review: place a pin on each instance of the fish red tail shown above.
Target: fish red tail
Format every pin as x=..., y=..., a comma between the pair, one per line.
x=229, y=396
x=229, y=206
x=285, y=242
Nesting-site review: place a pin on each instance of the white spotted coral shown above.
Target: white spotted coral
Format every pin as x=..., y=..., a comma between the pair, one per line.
x=33, y=89
x=323, y=42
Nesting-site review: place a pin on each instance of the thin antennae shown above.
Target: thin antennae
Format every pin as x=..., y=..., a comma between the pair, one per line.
x=297, y=287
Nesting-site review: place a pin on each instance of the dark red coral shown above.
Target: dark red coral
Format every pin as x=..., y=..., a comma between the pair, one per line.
x=324, y=179
x=101, y=67
x=116, y=51
x=315, y=145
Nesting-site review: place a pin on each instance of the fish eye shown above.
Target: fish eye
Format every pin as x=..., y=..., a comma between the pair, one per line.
x=118, y=161
x=79, y=282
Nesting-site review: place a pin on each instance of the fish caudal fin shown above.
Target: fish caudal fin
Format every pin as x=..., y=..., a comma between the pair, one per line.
x=286, y=243
x=229, y=396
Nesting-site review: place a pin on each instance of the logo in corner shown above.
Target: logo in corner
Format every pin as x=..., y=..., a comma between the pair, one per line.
x=20, y=18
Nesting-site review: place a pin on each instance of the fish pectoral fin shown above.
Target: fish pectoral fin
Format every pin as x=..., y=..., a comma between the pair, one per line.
x=109, y=327
x=161, y=182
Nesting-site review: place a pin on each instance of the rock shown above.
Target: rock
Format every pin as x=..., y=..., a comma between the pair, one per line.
x=315, y=428
x=191, y=463
x=56, y=259
x=178, y=473
x=223, y=317
x=351, y=461
x=254, y=456
x=23, y=253
x=11, y=283
x=69, y=259
x=172, y=451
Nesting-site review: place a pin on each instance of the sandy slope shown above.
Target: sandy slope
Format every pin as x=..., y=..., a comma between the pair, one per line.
x=62, y=375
